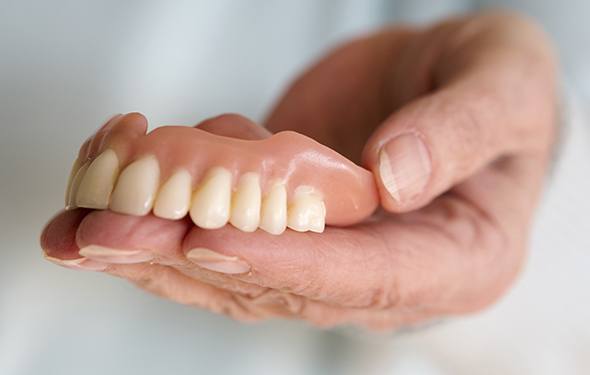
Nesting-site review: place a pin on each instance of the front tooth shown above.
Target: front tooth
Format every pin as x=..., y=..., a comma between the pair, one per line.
x=75, y=185
x=273, y=218
x=245, y=207
x=73, y=172
x=98, y=182
x=307, y=212
x=210, y=206
x=136, y=188
x=174, y=197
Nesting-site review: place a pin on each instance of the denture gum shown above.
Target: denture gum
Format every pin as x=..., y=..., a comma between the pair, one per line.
x=284, y=181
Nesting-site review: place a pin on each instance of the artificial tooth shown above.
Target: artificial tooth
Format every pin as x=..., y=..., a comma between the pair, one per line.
x=137, y=186
x=273, y=217
x=174, y=197
x=98, y=182
x=210, y=206
x=75, y=184
x=307, y=211
x=73, y=172
x=245, y=207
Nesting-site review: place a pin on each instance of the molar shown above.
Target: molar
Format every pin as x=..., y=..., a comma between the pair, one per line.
x=98, y=182
x=136, y=189
x=273, y=218
x=210, y=206
x=71, y=204
x=245, y=208
x=307, y=211
x=174, y=197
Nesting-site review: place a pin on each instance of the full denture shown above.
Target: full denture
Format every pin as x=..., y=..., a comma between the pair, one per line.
x=286, y=180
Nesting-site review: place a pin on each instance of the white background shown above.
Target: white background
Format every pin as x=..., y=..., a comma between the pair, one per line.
x=66, y=66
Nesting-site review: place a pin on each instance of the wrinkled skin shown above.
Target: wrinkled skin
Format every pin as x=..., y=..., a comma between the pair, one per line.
x=479, y=90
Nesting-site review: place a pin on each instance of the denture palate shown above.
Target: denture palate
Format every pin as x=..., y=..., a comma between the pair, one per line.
x=285, y=181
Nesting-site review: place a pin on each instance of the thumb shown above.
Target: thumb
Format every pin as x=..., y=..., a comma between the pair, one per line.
x=442, y=139
x=491, y=101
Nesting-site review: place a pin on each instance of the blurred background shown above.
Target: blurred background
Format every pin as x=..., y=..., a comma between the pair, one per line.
x=66, y=66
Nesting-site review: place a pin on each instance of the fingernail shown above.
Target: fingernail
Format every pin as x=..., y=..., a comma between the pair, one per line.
x=214, y=261
x=77, y=264
x=405, y=167
x=116, y=256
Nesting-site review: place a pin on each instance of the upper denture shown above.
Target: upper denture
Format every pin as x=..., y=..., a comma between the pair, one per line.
x=287, y=179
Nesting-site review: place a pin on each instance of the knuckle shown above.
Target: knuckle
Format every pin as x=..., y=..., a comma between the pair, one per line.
x=384, y=298
x=279, y=301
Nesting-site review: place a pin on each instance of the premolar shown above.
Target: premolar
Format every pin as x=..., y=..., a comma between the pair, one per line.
x=273, y=217
x=136, y=189
x=307, y=211
x=245, y=207
x=174, y=197
x=98, y=182
x=210, y=206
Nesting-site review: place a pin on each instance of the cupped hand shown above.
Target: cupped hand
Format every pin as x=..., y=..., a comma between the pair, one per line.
x=456, y=121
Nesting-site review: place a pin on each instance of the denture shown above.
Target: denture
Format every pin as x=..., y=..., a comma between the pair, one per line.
x=284, y=181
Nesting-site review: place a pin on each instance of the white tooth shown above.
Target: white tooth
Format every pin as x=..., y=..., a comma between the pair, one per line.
x=211, y=202
x=307, y=211
x=317, y=219
x=98, y=182
x=174, y=197
x=75, y=184
x=245, y=207
x=73, y=172
x=273, y=218
x=136, y=189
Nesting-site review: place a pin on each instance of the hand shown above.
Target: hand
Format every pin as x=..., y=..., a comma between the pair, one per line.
x=456, y=122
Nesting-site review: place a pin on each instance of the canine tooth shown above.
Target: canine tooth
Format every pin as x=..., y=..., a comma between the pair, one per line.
x=136, y=189
x=273, y=218
x=307, y=212
x=98, y=182
x=73, y=172
x=210, y=206
x=75, y=184
x=245, y=207
x=174, y=197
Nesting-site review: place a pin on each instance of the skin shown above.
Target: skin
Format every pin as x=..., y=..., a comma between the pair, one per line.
x=480, y=93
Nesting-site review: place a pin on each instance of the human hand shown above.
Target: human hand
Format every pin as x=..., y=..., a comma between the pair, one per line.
x=465, y=111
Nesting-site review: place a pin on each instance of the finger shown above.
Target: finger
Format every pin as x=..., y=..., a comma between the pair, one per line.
x=167, y=282
x=112, y=238
x=491, y=101
x=109, y=237
x=58, y=241
x=233, y=125
x=321, y=267
x=235, y=298
x=362, y=267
